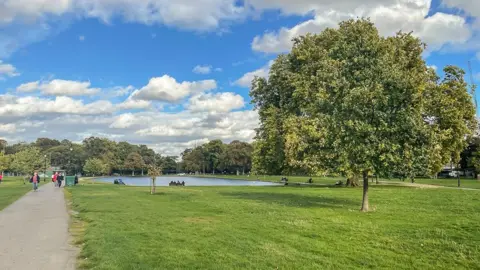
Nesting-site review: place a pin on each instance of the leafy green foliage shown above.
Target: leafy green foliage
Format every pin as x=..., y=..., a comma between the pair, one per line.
x=353, y=102
x=28, y=160
x=134, y=162
x=95, y=166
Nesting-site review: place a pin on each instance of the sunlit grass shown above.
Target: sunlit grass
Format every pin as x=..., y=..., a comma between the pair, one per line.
x=277, y=228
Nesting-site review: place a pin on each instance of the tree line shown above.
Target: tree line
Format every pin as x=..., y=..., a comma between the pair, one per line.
x=349, y=101
x=100, y=156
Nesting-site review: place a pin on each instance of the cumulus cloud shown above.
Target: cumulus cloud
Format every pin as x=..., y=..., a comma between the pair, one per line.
x=202, y=69
x=59, y=88
x=167, y=89
x=11, y=106
x=7, y=70
x=130, y=103
x=246, y=79
x=190, y=14
x=389, y=16
x=220, y=102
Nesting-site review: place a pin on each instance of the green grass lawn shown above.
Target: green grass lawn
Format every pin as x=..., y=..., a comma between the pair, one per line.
x=318, y=180
x=277, y=228
x=11, y=189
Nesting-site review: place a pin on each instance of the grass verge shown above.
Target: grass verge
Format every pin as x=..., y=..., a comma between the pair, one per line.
x=12, y=188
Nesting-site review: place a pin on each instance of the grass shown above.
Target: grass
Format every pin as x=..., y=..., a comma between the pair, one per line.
x=276, y=228
x=11, y=189
x=319, y=180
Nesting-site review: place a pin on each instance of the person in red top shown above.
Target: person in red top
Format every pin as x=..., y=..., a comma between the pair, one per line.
x=35, y=179
x=1, y=178
x=54, y=178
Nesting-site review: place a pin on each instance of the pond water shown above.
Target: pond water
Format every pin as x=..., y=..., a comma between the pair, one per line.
x=189, y=181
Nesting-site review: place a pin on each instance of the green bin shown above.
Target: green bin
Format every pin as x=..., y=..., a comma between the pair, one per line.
x=69, y=181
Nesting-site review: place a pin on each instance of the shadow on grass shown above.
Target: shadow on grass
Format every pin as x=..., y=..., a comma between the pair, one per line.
x=293, y=200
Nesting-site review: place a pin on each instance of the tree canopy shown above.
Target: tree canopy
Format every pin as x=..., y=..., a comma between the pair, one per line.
x=350, y=101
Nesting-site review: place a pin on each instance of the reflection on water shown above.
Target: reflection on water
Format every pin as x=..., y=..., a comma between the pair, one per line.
x=189, y=181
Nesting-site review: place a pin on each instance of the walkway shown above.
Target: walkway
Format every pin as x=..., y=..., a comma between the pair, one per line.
x=34, y=232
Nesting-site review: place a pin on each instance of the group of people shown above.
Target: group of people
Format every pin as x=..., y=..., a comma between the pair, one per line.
x=173, y=183
x=57, y=179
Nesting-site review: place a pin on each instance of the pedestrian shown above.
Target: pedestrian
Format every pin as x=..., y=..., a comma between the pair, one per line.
x=1, y=177
x=34, y=180
x=76, y=180
x=54, y=178
x=60, y=179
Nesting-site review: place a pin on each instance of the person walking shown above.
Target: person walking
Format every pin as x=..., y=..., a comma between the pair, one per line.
x=60, y=179
x=34, y=180
x=54, y=178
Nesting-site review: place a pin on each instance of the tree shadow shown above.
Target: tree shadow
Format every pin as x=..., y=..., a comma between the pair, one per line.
x=292, y=200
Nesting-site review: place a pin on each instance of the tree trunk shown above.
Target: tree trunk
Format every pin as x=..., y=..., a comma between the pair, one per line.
x=365, y=192
x=152, y=190
x=352, y=182
x=243, y=170
x=133, y=172
x=142, y=172
x=412, y=179
x=376, y=179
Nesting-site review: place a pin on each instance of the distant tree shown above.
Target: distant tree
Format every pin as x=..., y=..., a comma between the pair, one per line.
x=238, y=156
x=46, y=143
x=95, y=166
x=4, y=162
x=27, y=161
x=134, y=162
x=213, y=152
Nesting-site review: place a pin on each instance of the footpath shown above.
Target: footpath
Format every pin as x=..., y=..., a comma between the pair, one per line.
x=34, y=232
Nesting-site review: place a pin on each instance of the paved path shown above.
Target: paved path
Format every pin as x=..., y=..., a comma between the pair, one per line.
x=34, y=232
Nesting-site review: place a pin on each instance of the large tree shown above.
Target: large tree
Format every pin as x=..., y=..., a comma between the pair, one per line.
x=134, y=162
x=353, y=102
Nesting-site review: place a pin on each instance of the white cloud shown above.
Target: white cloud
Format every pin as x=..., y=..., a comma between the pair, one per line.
x=8, y=128
x=81, y=38
x=220, y=102
x=189, y=14
x=59, y=88
x=11, y=106
x=124, y=121
x=130, y=103
x=167, y=89
x=246, y=79
x=202, y=69
x=218, y=69
x=471, y=7
x=7, y=70
x=28, y=87
x=389, y=17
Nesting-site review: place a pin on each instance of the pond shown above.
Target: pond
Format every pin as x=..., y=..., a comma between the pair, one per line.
x=189, y=181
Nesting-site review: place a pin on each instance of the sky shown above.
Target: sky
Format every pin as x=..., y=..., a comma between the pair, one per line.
x=175, y=74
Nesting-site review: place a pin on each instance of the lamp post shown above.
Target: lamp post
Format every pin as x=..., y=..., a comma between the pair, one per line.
x=70, y=158
x=45, y=171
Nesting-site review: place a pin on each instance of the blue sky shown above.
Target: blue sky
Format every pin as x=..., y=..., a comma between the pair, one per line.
x=173, y=74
